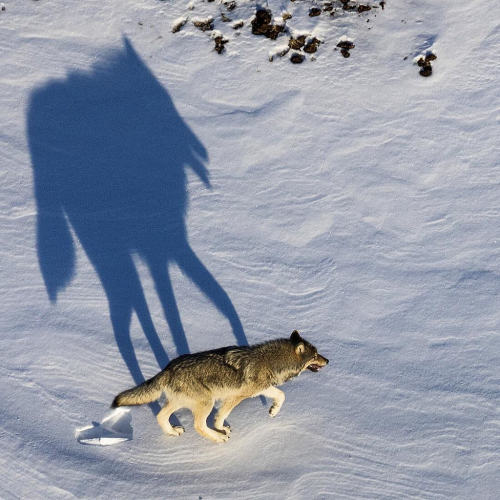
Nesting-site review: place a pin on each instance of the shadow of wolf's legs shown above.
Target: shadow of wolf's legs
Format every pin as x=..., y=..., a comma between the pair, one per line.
x=194, y=269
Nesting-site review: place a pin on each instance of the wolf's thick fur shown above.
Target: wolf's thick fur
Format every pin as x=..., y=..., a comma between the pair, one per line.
x=229, y=374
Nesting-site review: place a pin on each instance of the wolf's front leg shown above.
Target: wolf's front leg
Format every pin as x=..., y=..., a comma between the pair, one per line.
x=200, y=412
x=278, y=398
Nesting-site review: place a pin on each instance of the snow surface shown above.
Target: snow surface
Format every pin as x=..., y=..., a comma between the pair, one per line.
x=349, y=198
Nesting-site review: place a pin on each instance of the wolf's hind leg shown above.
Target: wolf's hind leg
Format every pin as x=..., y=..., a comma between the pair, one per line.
x=201, y=411
x=163, y=418
x=224, y=411
x=278, y=398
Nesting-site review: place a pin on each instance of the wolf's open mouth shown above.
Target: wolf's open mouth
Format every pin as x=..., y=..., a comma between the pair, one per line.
x=313, y=367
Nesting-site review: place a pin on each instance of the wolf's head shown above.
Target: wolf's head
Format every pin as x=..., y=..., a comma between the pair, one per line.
x=307, y=353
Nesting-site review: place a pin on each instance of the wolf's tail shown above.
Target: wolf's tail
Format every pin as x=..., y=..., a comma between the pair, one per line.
x=148, y=391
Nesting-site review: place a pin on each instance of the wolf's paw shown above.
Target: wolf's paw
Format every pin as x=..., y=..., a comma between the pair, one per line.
x=175, y=430
x=226, y=429
x=218, y=437
x=274, y=410
x=178, y=429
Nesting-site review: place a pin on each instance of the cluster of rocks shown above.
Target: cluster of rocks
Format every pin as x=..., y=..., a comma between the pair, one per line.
x=424, y=62
x=332, y=7
x=263, y=24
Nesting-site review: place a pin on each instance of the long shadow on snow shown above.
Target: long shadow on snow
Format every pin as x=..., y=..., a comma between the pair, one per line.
x=109, y=153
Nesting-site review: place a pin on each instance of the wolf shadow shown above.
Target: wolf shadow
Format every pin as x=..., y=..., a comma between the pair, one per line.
x=109, y=153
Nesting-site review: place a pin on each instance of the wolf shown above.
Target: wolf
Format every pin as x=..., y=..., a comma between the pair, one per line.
x=229, y=374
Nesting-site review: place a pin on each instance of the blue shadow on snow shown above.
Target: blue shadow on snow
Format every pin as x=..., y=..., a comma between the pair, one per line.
x=109, y=153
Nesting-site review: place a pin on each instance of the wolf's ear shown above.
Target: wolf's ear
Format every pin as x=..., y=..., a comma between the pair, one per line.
x=300, y=348
x=295, y=337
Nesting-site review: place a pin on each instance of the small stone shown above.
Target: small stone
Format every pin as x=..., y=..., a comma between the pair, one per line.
x=231, y=5
x=176, y=27
x=363, y=8
x=314, y=11
x=345, y=52
x=430, y=57
x=238, y=24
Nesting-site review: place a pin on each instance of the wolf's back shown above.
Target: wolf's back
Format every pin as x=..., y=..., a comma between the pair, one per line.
x=148, y=391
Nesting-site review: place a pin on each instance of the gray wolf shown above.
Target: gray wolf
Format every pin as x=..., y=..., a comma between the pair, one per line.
x=229, y=374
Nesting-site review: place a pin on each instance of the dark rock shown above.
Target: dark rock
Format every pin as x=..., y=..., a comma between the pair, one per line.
x=345, y=53
x=204, y=25
x=314, y=11
x=312, y=46
x=297, y=43
x=363, y=8
x=220, y=41
x=346, y=44
x=231, y=5
x=261, y=25
x=297, y=58
x=426, y=70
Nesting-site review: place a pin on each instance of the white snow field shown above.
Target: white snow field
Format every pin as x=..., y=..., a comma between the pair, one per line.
x=350, y=198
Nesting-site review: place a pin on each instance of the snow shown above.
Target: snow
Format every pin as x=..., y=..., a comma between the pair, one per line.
x=351, y=199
